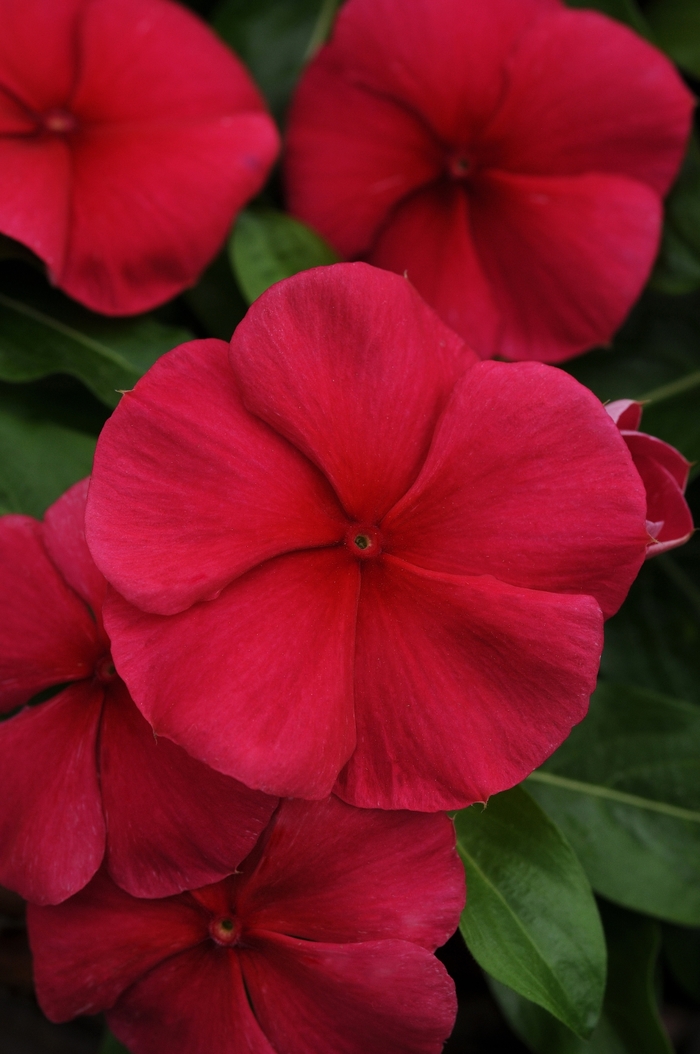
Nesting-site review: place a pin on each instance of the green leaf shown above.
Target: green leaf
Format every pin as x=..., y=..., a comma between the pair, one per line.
x=630, y=1022
x=216, y=299
x=111, y=1045
x=623, y=10
x=42, y=332
x=625, y=790
x=531, y=920
x=43, y=449
x=682, y=953
x=267, y=246
x=677, y=267
x=676, y=27
x=274, y=38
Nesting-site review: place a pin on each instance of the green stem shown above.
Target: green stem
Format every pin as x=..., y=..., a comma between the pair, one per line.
x=621, y=797
x=667, y=391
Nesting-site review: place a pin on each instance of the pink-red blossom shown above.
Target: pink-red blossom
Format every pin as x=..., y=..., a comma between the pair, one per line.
x=347, y=550
x=664, y=472
x=83, y=778
x=322, y=941
x=509, y=155
x=129, y=138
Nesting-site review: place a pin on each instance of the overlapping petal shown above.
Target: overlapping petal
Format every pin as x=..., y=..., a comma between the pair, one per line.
x=47, y=635
x=173, y=823
x=49, y=34
x=259, y=683
x=63, y=535
x=458, y=642
x=378, y=997
x=35, y=195
x=358, y=391
x=189, y=493
x=333, y=873
x=527, y=480
x=71, y=978
x=670, y=521
x=52, y=829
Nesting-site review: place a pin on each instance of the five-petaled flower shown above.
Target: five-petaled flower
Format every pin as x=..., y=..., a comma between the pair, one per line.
x=345, y=543
x=83, y=776
x=129, y=138
x=664, y=472
x=322, y=941
x=510, y=155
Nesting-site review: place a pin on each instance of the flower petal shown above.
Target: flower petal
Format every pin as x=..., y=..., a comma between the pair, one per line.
x=626, y=413
x=51, y=827
x=378, y=997
x=64, y=537
x=35, y=195
x=632, y=110
x=173, y=823
x=587, y=244
x=38, y=51
x=189, y=492
x=194, y=1003
x=665, y=502
x=641, y=445
x=529, y=480
x=463, y=685
x=429, y=238
x=257, y=683
x=47, y=635
x=334, y=873
x=132, y=937
x=349, y=363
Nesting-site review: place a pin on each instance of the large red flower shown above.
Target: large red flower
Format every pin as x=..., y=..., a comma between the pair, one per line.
x=83, y=776
x=510, y=155
x=322, y=942
x=664, y=472
x=129, y=138
x=348, y=544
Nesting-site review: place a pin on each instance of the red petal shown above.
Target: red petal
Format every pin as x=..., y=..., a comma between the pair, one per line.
x=173, y=823
x=35, y=194
x=194, y=1003
x=351, y=155
x=88, y=950
x=334, y=873
x=665, y=502
x=350, y=364
x=190, y=491
x=429, y=238
x=463, y=685
x=258, y=683
x=626, y=413
x=586, y=245
x=64, y=538
x=529, y=480
x=586, y=94
x=38, y=51
x=378, y=997
x=649, y=447
x=51, y=827
x=47, y=635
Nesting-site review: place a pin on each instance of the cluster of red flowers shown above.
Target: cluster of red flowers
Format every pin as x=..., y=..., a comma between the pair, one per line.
x=341, y=559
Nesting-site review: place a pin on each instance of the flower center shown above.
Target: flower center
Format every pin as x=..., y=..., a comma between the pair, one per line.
x=225, y=930
x=363, y=541
x=459, y=164
x=105, y=670
x=59, y=121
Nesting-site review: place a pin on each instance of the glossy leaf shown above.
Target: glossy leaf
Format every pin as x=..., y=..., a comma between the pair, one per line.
x=42, y=332
x=274, y=38
x=625, y=790
x=676, y=27
x=216, y=299
x=47, y=442
x=530, y=919
x=630, y=1022
x=267, y=246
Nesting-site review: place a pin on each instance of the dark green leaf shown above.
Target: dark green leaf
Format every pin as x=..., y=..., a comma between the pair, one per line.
x=531, y=920
x=676, y=27
x=677, y=268
x=216, y=299
x=625, y=790
x=267, y=246
x=274, y=38
x=111, y=1045
x=623, y=10
x=630, y=1021
x=43, y=450
x=682, y=953
x=43, y=332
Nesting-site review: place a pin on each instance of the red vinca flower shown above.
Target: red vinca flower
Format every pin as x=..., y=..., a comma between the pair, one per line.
x=129, y=138
x=664, y=472
x=345, y=543
x=509, y=155
x=321, y=942
x=83, y=775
